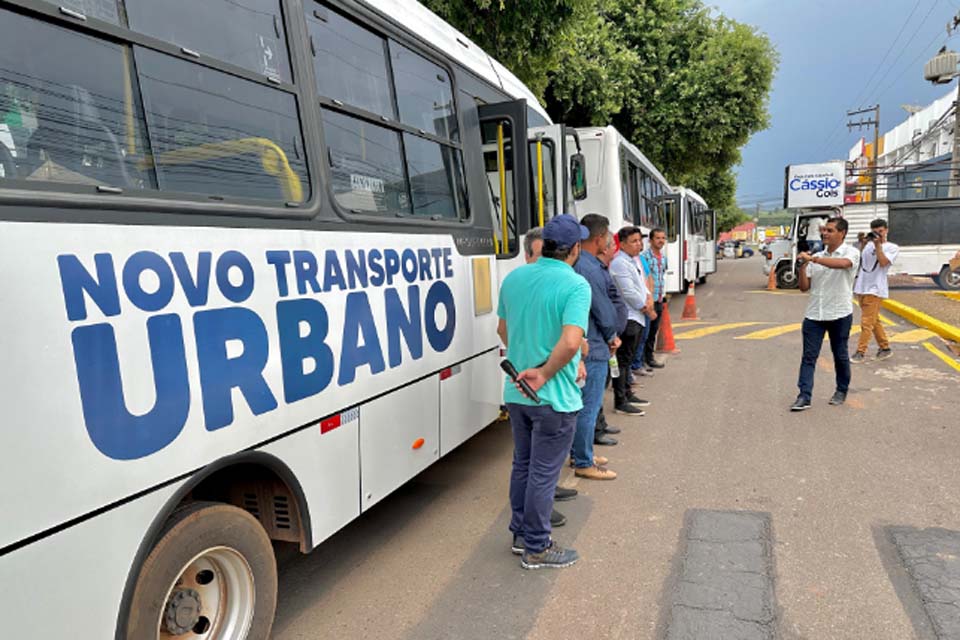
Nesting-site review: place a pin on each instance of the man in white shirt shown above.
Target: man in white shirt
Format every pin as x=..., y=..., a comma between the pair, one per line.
x=630, y=281
x=828, y=275
x=871, y=289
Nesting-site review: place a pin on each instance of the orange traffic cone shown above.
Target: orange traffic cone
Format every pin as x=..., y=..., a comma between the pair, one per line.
x=665, y=343
x=772, y=280
x=690, y=305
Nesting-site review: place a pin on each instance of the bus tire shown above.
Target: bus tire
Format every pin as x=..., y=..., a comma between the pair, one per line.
x=786, y=278
x=702, y=280
x=212, y=571
x=949, y=279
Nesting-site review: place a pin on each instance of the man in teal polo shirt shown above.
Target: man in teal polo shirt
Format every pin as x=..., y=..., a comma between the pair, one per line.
x=544, y=309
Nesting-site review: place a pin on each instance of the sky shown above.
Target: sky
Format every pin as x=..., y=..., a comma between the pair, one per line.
x=835, y=56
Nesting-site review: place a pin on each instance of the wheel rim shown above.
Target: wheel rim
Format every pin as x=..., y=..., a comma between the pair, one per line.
x=953, y=278
x=213, y=598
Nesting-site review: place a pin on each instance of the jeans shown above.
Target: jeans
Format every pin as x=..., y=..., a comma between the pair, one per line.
x=813, y=332
x=629, y=341
x=651, y=344
x=870, y=324
x=638, y=362
x=541, y=440
x=587, y=419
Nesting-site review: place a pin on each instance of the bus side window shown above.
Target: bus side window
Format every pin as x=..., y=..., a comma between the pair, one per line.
x=71, y=115
x=105, y=10
x=247, y=33
x=219, y=135
x=377, y=163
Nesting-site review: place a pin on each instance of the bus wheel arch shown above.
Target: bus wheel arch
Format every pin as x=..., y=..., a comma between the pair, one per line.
x=226, y=482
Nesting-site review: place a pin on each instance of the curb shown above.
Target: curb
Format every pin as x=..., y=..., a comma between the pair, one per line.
x=921, y=319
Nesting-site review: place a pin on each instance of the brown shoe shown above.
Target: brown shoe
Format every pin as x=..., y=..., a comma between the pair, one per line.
x=595, y=473
x=600, y=461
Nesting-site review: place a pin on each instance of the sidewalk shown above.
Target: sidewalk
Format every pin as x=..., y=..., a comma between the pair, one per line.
x=921, y=294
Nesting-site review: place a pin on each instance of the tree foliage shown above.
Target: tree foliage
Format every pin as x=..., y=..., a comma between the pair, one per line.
x=686, y=85
x=727, y=219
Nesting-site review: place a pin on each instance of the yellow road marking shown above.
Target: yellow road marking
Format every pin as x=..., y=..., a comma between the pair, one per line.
x=706, y=331
x=764, y=334
x=689, y=324
x=885, y=320
x=953, y=295
x=914, y=335
x=950, y=361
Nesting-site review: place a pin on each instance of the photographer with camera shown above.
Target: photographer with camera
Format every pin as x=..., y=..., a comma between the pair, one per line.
x=871, y=289
x=828, y=275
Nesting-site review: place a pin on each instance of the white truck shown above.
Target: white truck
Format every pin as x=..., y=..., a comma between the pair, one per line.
x=927, y=231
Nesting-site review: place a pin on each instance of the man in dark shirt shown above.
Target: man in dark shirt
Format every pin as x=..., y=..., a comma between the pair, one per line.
x=602, y=431
x=602, y=340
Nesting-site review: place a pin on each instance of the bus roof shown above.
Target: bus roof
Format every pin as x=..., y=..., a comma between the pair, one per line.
x=430, y=28
x=690, y=193
x=609, y=130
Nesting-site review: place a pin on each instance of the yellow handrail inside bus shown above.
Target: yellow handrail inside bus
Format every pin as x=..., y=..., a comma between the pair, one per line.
x=272, y=159
x=540, y=180
x=502, y=170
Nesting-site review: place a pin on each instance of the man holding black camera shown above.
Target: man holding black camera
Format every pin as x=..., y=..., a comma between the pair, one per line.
x=828, y=275
x=871, y=289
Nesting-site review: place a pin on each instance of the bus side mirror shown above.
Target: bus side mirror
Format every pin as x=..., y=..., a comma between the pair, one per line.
x=578, y=176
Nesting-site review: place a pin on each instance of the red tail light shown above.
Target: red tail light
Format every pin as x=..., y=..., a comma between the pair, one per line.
x=684, y=250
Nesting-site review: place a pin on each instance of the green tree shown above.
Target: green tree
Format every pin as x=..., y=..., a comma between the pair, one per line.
x=687, y=86
x=522, y=36
x=729, y=218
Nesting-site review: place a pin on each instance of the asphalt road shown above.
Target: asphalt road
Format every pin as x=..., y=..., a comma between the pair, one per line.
x=731, y=518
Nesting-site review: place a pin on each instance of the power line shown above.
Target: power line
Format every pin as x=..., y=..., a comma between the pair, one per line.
x=860, y=98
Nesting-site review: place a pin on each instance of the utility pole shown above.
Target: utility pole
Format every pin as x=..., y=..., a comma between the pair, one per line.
x=876, y=139
x=941, y=69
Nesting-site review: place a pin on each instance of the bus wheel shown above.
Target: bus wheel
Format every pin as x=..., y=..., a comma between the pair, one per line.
x=949, y=280
x=786, y=278
x=702, y=280
x=211, y=576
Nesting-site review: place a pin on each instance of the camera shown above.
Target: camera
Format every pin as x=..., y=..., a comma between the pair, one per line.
x=871, y=236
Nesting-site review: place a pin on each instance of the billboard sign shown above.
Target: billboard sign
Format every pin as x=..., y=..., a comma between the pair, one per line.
x=814, y=185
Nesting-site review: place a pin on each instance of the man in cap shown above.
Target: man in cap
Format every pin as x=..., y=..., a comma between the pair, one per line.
x=544, y=309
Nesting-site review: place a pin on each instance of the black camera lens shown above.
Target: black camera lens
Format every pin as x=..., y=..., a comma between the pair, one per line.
x=871, y=236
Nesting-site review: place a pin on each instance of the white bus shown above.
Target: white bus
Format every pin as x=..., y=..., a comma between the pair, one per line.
x=621, y=183
x=250, y=281
x=691, y=239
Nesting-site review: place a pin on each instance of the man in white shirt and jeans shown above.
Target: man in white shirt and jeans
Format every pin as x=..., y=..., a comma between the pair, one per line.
x=871, y=289
x=828, y=275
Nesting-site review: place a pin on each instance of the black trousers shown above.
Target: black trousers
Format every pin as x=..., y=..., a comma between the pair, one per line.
x=651, y=344
x=629, y=341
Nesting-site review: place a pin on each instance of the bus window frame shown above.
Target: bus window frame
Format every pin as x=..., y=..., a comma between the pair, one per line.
x=76, y=196
x=326, y=102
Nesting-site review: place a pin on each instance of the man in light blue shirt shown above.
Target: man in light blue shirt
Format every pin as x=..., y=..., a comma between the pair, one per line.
x=544, y=309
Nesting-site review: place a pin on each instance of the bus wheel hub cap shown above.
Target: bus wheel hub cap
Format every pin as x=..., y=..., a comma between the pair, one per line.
x=182, y=611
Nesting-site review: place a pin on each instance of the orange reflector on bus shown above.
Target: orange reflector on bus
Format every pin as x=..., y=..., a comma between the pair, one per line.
x=446, y=373
x=418, y=443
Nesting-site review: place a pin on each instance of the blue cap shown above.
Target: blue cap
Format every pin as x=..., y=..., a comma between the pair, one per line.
x=565, y=231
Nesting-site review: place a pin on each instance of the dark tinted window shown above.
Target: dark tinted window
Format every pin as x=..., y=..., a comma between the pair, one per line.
x=366, y=165
x=101, y=9
x=247, y=33
x=65, y=112
x=436, y=178
x=424, y=93
x=217, y=134
x=350, y=62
